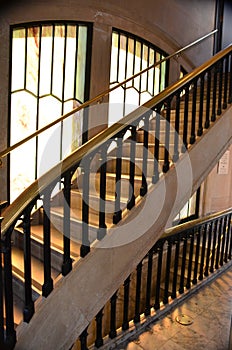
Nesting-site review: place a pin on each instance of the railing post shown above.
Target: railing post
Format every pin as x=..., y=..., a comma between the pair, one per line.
x=83, y=339
x=99, y=339
x=227, y=239
x=197, y=253
x=148, y=284
x=159, y=269
x=213, y=116
x=113, y=303
x=167, y=136
x=223, y=240
x=1, y=293
x=193, y=121
x=219, y=108
x=167, y=273
x=138, y=292
x=225, y=96
x=131, y=201
x=10, y=333
x=201, y=275
x=48, y=282
x=207, y=119
x=102, y=198
x=206, y=272
x=29, y=304
x=188, y=283
x=176, y=265
x=218, y=244
x=85, y=246
x=215, y=224
x=182, y=274
x=155, y=176
x=185, y=126
x=125, y=324
x=67, y=261
x=177, y=127
x=200, y=120
x=118, y=212
x=230, y=81
x=143, y=189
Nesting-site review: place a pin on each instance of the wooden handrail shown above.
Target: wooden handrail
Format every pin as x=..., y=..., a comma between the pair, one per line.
x=13, y=212
x=99, y=97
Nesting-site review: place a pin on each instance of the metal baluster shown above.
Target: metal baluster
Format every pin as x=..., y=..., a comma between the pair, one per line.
x=200, y=120
x=223, y=240
x=224, y=106
x=206, y=272
x=138, y=292
x=176, y=265
x=230, y=248
x=118, y=212
x=177, y=127
x=83, y=339
x=99, y=339
x=193, y=121
x=194, y=281
x=10, y=333
x=113, y=303
x=48, y=282
x=155, y=177
x=219, y=107
x=67, y=261
x=185, y=127
x=215, y=224
x=167, y=273
x=167, y=136
x=213, y=116
x=158, y=279
x=148, y=285
x=190, y=263
x=181, y=289
x=85, y=246
x=29, y=309
x=227, y=238
x=131, y=201
x=125, y=324
x=143, y=189
x=102, y=205
x=1, y=292
x=203, y=230
x=207, y=119
x=218, y=244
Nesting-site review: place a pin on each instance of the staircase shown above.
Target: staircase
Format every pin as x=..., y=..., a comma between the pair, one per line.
x=109, y=183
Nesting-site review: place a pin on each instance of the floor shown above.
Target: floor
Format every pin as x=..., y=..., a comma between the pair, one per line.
x=207, y=314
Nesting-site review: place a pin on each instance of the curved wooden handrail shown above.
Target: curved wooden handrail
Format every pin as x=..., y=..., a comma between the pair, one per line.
x=99, y=97
x=13, y=212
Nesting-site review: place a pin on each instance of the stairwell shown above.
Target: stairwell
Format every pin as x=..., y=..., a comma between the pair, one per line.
x=111, y=259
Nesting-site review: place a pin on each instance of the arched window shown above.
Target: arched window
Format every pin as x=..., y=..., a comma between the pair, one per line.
x=49, y=76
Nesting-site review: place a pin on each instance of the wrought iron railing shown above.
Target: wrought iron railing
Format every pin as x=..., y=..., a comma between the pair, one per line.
x=183, y=256
x=179, y=108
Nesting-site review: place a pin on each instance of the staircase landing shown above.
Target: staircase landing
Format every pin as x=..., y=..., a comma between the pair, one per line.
x=210, y=310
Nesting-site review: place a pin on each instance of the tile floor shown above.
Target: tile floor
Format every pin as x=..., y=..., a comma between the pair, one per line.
x=209, y=310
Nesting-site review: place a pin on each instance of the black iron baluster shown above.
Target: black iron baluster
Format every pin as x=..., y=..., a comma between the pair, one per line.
x=200, y=120
x=209, y=230
x=143, y=189
x=197, y=253
x=177, y=127
x=118, y=212
x=185, y=126
x=138, y=292
x=67, y=261
x=148, y=284
x=113, y=303
x=1, y=292
x=224, y=106
x=230, y=235
x=83, y=339
x=215, y=224
x=213, y=116
x=85, y=246
x=48, y=282
x=167, y=136
x=159, y=269
x=218, y=244
x=190, y=263
x=176, y=265
x=223, y=240
x=207, y=112
x=131, y=201
x=99, y=339
x=219, y=106
x=155, y=177
x=227, y=238
x=201, y=272
x=183, y=263
x=193, y=121
x=167, y=273
x=29, y=309
x=125, y=324
x=102, y=205
x=10, y=333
